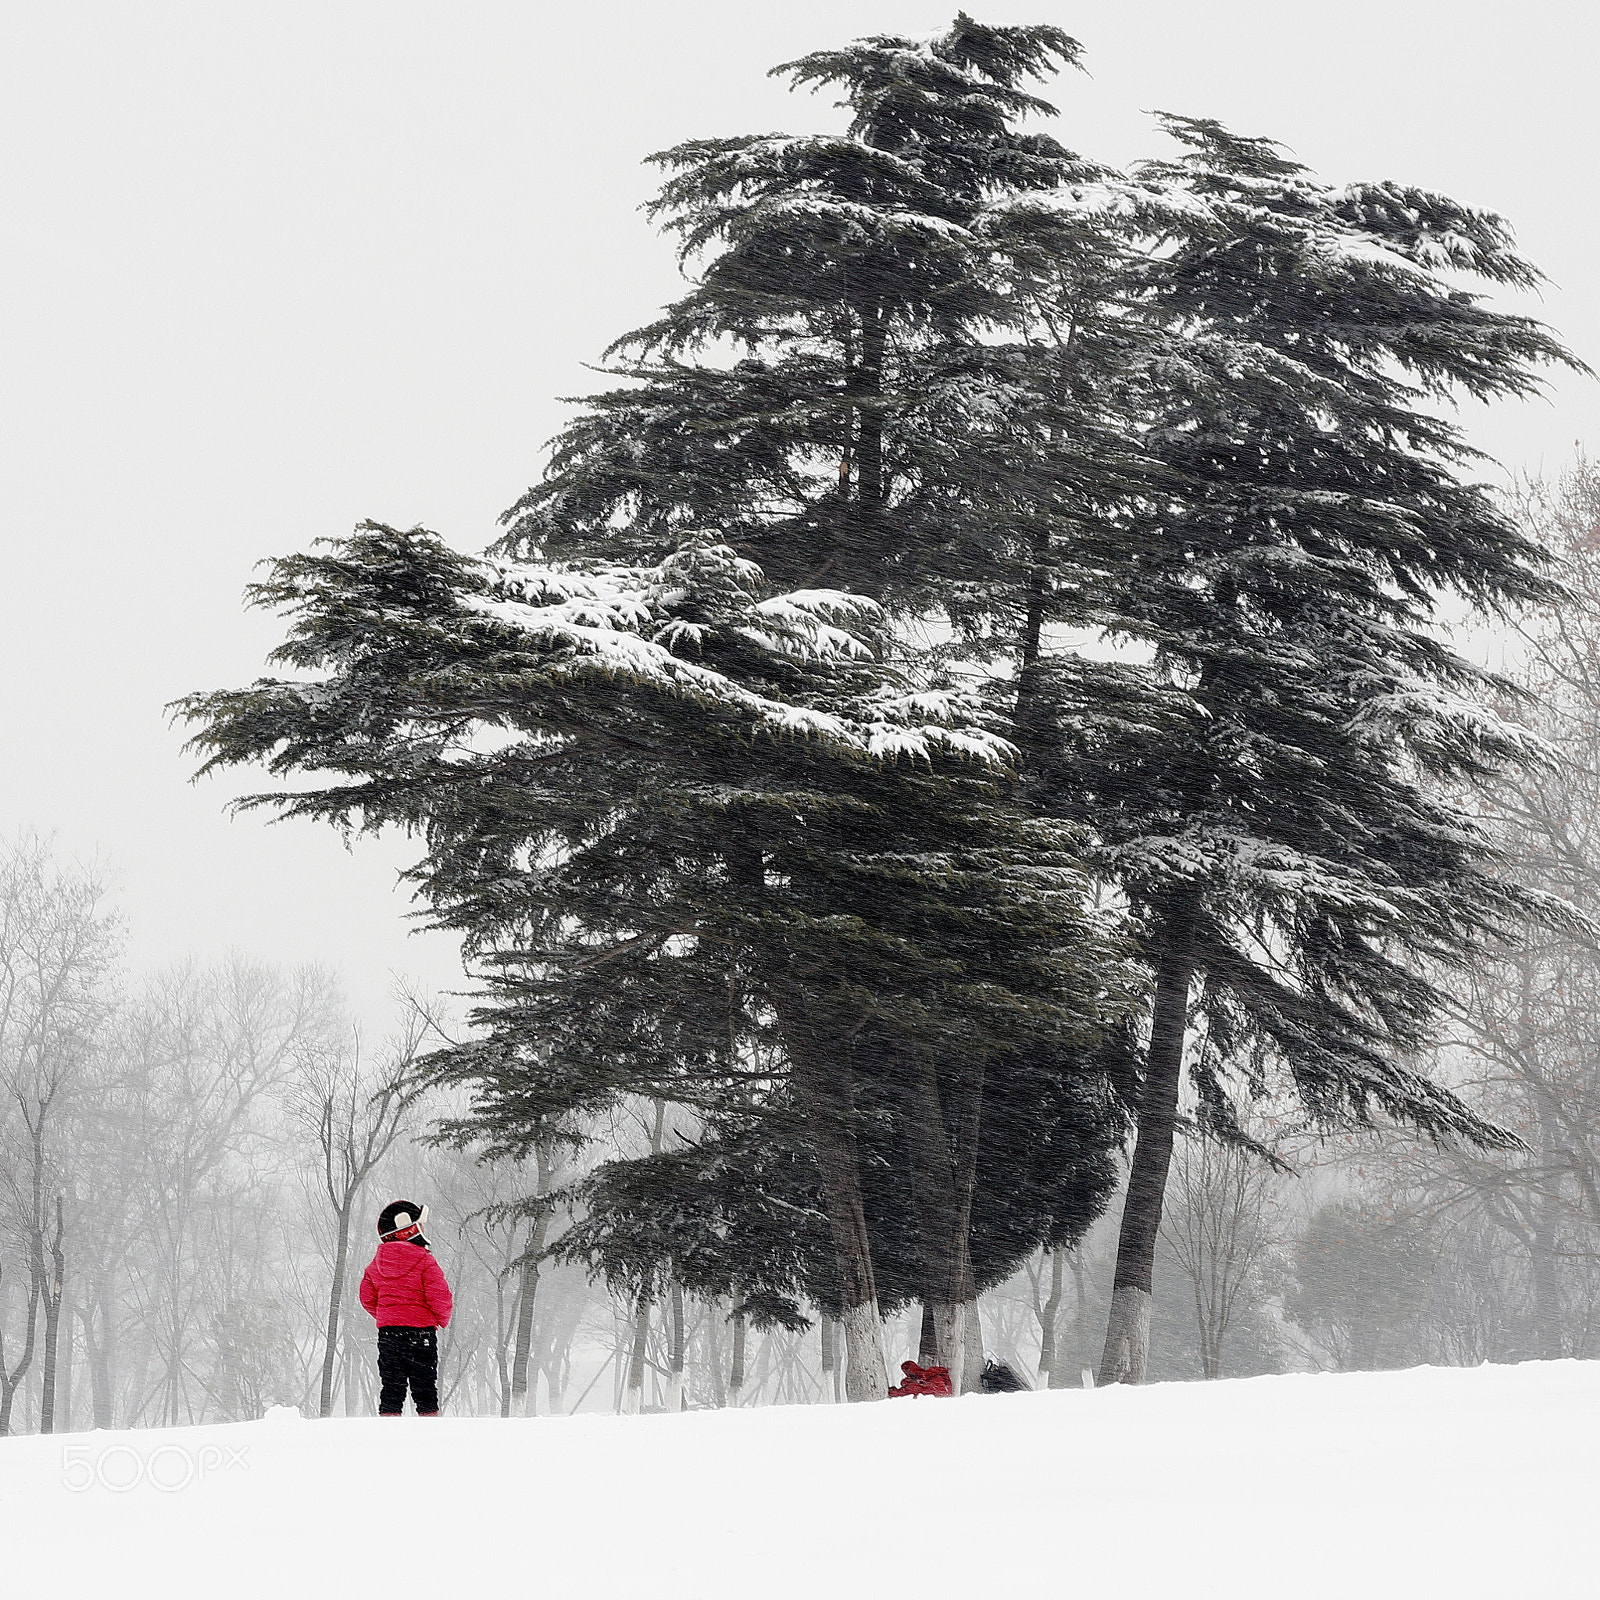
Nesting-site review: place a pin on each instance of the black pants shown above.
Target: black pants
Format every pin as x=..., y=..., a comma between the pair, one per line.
x=408, y=1356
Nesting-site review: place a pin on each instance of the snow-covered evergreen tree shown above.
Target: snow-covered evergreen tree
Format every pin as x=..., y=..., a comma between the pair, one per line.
x=1281, y=804
x=900, y=364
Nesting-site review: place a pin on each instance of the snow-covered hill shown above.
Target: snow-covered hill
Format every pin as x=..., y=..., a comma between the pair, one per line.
x=1436, y=1482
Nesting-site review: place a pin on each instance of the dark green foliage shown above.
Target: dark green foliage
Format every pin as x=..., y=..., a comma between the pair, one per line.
x=1289, y=766
x=737, y=1212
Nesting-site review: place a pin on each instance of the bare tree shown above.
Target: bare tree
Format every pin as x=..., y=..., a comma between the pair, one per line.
x=200, y=1051
x=1527, y=1046
x=1218, y=1227
x=57, y=943
x=354, y=1112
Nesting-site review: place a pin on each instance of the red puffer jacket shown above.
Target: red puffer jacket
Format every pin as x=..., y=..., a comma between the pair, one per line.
x=404, y=1287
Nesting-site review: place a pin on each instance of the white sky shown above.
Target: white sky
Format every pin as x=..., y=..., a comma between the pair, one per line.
x=270, y=269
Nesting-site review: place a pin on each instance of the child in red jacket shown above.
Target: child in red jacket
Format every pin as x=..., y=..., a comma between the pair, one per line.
x=405, y=1290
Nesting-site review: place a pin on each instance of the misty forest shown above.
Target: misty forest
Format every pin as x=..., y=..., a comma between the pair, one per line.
x=1014, y=796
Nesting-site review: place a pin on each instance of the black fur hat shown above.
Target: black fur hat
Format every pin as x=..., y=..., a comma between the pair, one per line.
x=402, y=1220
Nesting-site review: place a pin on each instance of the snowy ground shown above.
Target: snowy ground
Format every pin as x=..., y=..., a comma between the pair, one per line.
x=1436, y=1482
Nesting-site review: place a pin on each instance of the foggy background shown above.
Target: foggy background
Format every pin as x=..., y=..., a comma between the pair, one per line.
x=271, y=270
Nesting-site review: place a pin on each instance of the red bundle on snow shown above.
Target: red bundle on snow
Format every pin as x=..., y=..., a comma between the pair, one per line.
x=922, y=1380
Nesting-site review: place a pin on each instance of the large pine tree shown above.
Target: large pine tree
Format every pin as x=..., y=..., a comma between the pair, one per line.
x=838, y=398
x=1284, y=808
x=902, y=359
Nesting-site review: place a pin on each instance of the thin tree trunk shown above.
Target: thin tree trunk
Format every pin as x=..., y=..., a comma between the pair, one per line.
x=968, y=1111
x=348, y=1386
x=1031, y=645
x=341, y=1266
x=102, y=1354
x=526, y=1291
x=556, y=1373
x=67, y=1383
x=502, y=1368
x=675, y=1350
x=99, y=1377
x=736, y=1369
x=719, y=1387
x=1061, y=1376
x=1050, y=1316
x=633, y=1389
x=1542, y=1248
x=1546, y=1282
x=824, y=1092
x=11, y=1380
x=54, y=1283
x=1127, y=1350
x=525, y=1396
x=863, y=536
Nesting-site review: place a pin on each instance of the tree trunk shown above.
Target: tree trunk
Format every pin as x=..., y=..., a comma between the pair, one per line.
x=1050, y=1316
x=1061, y=1375
x=1127, y=1350
x=67, y=1382
x=824, y=1092
x=1546, y=1281
x=675, y=1353
x=736, y=1367
x=99, y=1376
x=556, y=1372
x=502, y=1367
x=525, y=1396
x=54, y=1282
x=527, y=1290
x=863, y=553
x=829, y=1357
x=942, y=1184
x=820, y=1074
x=968, y=1110
x=934, y=1204
x=101, y=1353
x=972, y=1362
x=330, y=1349
x=348, y=1383
x=1544, y=1243
x=1031, y=648
x=11, y=1380
x=719, y=1387
x=633, y=1389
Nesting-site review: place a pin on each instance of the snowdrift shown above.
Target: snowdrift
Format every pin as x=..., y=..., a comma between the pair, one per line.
x=1435, y=1482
